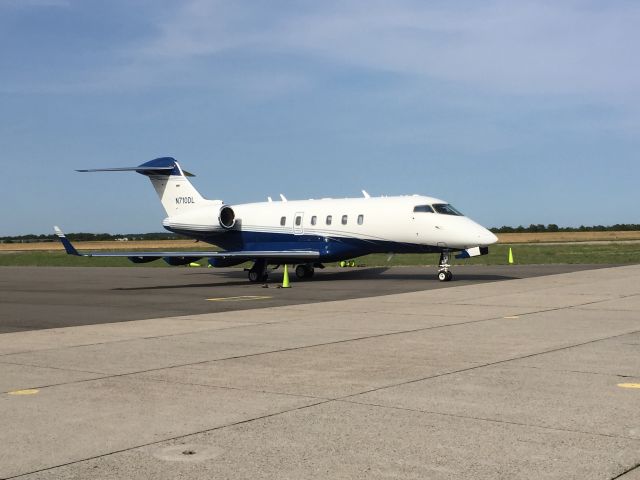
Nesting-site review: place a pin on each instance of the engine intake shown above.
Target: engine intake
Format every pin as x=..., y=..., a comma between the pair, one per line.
x=227, y=217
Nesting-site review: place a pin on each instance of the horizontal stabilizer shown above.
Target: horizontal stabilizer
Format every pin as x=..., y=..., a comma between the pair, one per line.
x=160, y=166
x=142, y=170
x=127, y=169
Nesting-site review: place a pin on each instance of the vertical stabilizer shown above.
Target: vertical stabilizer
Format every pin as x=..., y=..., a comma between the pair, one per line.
x=175, y=191
x=172, y=186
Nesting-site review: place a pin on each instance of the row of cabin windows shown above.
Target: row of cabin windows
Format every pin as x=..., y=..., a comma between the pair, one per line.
x=329, y=220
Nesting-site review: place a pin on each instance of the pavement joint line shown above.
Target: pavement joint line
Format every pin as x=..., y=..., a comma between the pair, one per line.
x=64, y=369
x=635, y=467
x=171, y=439
x=226, y=387
x=582, y=372
x=491, y=420
x=151, y=337
x=533, y=289
x=337, y=342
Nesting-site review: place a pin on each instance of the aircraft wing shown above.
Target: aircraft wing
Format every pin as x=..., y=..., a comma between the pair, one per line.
x=250, y=254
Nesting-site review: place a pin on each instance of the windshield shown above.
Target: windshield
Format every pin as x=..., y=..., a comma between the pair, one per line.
x=446, y=209
x=423, y=208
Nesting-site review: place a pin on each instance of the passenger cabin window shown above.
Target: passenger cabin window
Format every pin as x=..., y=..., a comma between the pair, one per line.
x=423, y=208
x=298, y=221
x=360, y=219
x=313, y=220
x=283, y=220
x=328, y=219
x=344, y=219
x=446, y=209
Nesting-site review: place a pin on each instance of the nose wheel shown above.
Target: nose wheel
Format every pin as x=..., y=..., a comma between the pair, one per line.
x=444, y=274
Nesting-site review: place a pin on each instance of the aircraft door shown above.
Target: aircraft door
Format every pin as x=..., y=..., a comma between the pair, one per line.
x=298, y=224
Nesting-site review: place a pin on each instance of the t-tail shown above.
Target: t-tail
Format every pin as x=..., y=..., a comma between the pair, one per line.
x=175, y=191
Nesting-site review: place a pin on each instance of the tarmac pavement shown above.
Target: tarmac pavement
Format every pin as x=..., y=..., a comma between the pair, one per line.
x=527, y=378
x=32, y=298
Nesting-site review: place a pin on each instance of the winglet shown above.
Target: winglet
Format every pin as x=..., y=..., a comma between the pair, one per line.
x=69, y=248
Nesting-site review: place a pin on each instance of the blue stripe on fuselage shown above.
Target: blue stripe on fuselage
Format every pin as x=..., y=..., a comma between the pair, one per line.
x=330, y=248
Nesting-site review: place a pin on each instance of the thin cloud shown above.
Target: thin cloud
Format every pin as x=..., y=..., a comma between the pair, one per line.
x=513, y=47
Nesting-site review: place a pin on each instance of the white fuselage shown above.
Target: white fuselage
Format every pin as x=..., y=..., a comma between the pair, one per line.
x=372, y=224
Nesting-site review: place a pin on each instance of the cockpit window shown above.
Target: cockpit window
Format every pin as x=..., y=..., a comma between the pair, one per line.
x=446, y=209
x=423, y=208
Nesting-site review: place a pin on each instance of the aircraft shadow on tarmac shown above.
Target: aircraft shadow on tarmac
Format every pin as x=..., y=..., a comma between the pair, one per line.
x=376, y=273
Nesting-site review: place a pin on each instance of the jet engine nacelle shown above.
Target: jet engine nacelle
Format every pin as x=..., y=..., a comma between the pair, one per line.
x=207, y=220
x=227, y=217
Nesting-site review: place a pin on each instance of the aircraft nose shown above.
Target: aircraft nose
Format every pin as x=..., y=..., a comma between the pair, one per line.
x=483, y=237
x=488, y=238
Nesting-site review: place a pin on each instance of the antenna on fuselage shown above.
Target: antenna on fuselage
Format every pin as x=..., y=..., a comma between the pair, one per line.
x=283, y=198
x=366, y=195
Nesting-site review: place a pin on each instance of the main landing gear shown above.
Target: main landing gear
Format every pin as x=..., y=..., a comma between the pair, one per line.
x=304, y=271
x=444, y=274
x=258, y=273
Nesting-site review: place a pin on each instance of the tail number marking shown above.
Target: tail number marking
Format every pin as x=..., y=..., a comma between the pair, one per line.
x=184, y=200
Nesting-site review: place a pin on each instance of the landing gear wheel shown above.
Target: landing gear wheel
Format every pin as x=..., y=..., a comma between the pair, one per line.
x=258, y=273
x=254, y=276
x=304, y=271
x=445, y=276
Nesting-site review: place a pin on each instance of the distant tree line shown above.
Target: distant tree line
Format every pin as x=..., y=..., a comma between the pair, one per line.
x=552, y=227
x=87, y=237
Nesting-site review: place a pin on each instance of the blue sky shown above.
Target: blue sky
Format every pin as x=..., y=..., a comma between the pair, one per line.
x=517, y=112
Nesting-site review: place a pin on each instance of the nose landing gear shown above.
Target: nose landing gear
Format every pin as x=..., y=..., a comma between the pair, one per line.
x=444, y=274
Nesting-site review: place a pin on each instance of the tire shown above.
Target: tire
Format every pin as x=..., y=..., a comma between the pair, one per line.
x=449, y=276
x=443, y=277
x=254, y=276
x=302, y=271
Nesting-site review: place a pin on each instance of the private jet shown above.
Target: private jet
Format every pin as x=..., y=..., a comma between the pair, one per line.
x=304, y=233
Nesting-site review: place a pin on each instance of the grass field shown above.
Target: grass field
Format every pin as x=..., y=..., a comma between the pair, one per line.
x=529, y=254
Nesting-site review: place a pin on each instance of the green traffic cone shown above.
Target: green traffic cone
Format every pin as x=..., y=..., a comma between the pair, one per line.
x=285, y=278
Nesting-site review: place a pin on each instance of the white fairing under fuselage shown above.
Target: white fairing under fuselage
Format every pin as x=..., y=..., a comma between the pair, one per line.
x=337, y=228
